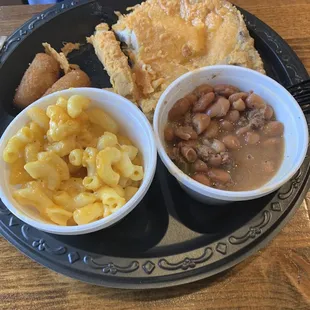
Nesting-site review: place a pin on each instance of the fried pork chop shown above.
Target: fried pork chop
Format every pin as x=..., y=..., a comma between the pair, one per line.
x=166, y=38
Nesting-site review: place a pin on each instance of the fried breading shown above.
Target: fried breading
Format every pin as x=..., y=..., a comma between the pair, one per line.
x=69, y=47
x=75, y=78
x=108, y=51
x=42, y=73
x=166, y=38
x=60, y=58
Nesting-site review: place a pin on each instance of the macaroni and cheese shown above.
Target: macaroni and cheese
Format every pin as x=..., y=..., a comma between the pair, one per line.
x=71, y=163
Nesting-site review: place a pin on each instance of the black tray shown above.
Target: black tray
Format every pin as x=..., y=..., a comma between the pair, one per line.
x=169, y=239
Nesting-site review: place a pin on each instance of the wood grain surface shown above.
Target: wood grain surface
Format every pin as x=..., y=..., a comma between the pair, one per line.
x=277, y=277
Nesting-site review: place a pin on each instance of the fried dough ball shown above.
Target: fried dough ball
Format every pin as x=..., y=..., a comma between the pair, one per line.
x=42, y=73
x=75, y=78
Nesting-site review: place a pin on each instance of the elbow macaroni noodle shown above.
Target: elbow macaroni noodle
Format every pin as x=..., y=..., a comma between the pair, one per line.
x=71, y=163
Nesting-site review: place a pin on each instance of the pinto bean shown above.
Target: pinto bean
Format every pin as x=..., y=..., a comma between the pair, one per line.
x=241, y=131
x=200, y=166
x=192, y=98
x=239, y=105
x=255, y=102
x=200, y=122
x=226, y=125
x=202, y=178
x=212, y=130
x=215, y=160
x=219, y=108
x=189, y=143
x=179, y=109
x=169, y=133
x=189, y=153
x=203, y=89
x=233, y=116
x=225, y=90
x=219, y=175
x=273, y=129
x=268, y=112
x=204, y=101
x=231, y=142
x=234, y=97
x=187, y=119
x=186, y=133
x=251, y=137
x=218, y=146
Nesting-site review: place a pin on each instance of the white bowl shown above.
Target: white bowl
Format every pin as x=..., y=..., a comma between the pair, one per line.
x=286, y=110
x=134, y=124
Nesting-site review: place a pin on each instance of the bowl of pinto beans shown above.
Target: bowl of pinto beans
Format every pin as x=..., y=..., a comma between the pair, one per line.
x=228, y=133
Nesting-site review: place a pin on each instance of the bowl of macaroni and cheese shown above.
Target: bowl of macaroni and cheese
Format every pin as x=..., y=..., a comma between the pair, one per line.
x=76, y=161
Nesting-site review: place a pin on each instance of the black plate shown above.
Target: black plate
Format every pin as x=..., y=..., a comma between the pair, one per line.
x=169, y=239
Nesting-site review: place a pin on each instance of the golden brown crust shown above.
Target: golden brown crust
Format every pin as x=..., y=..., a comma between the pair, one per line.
x=75, y=78
x=69, y=47
x=108, y=50
x=60, y=58
x=42, y=73
x=167, y=38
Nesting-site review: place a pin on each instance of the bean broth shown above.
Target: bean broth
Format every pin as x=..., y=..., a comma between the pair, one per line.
x=225, y=138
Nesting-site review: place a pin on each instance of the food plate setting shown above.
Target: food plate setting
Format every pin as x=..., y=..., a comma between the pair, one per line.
x=91, y=92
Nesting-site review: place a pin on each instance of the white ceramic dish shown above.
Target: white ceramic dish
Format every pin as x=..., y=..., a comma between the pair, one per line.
x=131, y=120
x=286, y=109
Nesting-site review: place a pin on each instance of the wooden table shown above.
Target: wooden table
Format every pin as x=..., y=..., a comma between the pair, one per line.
x=277, y=277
